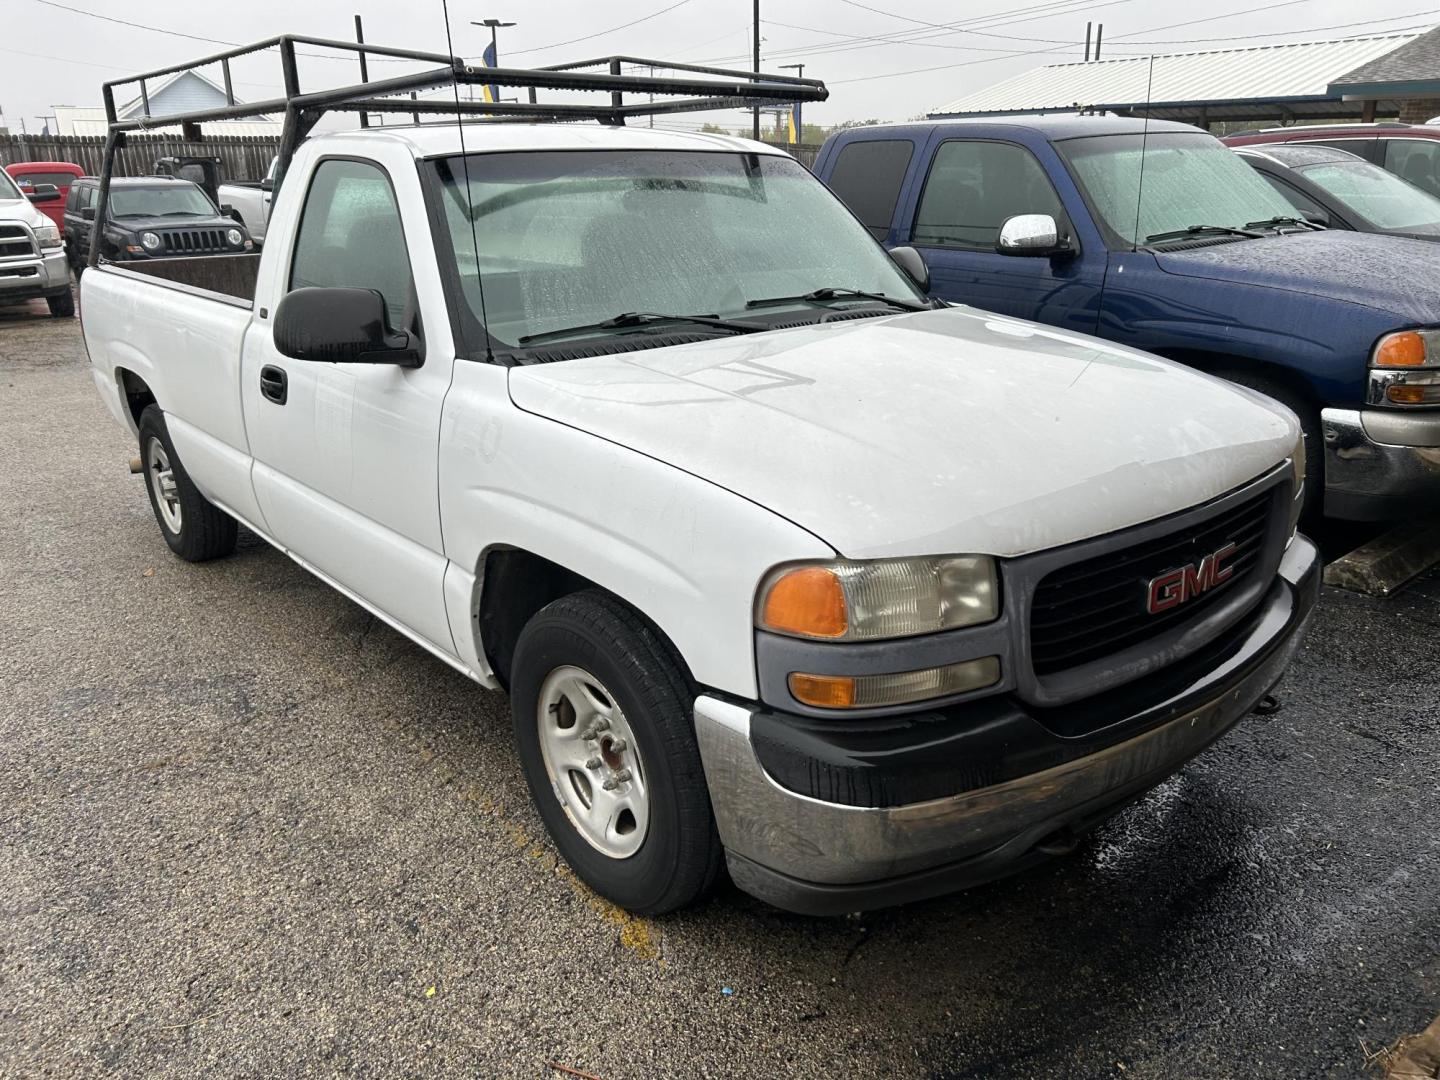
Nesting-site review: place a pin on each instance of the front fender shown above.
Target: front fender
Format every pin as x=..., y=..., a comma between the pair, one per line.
x=1325, y=342
x=686, y=553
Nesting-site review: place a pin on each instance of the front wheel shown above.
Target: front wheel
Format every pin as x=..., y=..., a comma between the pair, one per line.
x=62, y=306
x=194, y=527
x=1313, y=506
x=604, y=724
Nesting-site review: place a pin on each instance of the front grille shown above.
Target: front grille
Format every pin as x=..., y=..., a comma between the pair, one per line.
x=193, y=241
x=15, y=243
x=1097, y=608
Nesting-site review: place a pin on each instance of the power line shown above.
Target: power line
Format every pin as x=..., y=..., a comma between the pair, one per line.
x=1299, y=30
x=600, y=33
x=994, y=19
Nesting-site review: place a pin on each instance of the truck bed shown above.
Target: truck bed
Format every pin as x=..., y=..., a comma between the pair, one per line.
x=225, y=277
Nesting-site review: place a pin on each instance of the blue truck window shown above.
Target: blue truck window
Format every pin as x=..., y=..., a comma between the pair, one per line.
x=974, y=186
x=867, y=176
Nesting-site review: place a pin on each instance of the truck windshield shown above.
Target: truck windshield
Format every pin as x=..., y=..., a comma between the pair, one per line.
x=571, y=238
x=1380, y=197
x=177, y=199
x=8, y=190
x=1190, y=178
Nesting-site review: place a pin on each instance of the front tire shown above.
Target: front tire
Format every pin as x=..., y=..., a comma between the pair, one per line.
x=604, y=725
x=1313, y=507
x=194, y=527
x=62, y=306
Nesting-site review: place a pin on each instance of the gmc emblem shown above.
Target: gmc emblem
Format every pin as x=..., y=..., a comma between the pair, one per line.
x=1174, y=587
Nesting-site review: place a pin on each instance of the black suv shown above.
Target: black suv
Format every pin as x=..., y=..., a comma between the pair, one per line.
x=151, y=217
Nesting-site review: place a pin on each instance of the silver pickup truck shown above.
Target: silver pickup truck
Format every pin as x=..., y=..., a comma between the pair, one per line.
x=32, y=252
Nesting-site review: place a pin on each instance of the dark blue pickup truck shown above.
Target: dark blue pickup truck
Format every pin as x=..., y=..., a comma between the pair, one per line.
x=1160, y=238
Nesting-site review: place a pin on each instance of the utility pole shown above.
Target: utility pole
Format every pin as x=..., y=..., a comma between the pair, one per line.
x=799, y=70
x=755, y=125
x=494, y=25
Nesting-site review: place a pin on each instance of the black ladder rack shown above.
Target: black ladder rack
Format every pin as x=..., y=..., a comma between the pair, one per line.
x=693, y=89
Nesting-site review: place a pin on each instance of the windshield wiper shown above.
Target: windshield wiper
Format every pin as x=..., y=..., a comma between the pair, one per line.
x=1278, y=222
x=820, y=296
x=645, y=318
x=1196, y=230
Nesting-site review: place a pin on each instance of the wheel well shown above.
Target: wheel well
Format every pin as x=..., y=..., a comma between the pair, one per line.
x=1222, y=364
x=137, y=393
x=515, y=584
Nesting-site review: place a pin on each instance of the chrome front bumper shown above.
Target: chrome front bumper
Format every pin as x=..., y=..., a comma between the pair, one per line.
x=23, y=279
x=818, y=857
x=1381, y=464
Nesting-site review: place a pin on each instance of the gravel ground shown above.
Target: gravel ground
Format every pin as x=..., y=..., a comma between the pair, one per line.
x=247, y=831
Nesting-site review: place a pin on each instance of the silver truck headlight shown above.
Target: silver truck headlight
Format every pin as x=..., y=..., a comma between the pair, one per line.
x=847, y=600
x=48, y=237
x=149, y=241
x=235, y=237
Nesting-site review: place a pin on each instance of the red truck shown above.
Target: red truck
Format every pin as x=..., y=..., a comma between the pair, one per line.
x=28, y=174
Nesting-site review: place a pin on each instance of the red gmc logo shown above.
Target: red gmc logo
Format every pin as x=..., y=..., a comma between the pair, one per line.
x=1174, y=587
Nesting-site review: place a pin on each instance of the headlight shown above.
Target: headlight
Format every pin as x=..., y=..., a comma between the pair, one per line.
x=883, y=598
x=1297, y=470
x=236, y=237
x=1405, y=369
x=150, y=241
x=48, y=236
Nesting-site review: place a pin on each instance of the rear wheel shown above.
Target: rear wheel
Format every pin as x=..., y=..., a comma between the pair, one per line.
x=1309, y=416
x=193, y=526
x=62, y=306
x=604, y=724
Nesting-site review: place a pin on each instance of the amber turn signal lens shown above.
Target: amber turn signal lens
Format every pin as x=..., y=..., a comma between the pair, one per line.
x=1413, y=394
x=823, y=691
x=1405, y=349
x=808, y=601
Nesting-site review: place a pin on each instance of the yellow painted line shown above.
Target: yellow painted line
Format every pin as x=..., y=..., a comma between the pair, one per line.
x=638, y=935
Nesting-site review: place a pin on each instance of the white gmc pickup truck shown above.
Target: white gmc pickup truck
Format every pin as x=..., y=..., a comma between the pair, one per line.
x=783, y=566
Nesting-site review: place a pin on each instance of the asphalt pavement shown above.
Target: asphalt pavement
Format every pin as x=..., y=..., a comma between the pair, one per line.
x=248, y=831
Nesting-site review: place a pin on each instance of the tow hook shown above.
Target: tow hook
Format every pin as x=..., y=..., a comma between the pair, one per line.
x=135, y=466
x=1060, y=842
x=1268, y=705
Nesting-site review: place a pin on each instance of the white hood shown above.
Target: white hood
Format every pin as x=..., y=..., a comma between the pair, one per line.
x=938, y=432
x=21, y=210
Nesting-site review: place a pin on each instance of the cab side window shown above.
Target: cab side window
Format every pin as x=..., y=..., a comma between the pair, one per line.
x=974, y=186
x=867, y=176
x=351, y=236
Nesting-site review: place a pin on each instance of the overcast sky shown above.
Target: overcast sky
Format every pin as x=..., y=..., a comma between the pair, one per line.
x=52, y=56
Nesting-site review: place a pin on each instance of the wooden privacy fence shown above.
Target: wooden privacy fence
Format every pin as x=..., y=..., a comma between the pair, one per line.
x=245, y=157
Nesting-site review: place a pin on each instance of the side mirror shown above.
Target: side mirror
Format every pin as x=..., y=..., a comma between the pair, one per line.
x=1316, y=217
x=341, y=326
x=44, y=193
x=267, y=184
x=913, y=263
x=88, y=213
x=1031, y=234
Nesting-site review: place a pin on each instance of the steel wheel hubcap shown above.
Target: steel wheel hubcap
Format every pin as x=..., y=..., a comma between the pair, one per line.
x=162, y=482
x=592, y=761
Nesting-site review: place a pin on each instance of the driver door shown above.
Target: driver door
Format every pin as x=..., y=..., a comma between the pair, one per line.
x=345, y=455
x=972, y=187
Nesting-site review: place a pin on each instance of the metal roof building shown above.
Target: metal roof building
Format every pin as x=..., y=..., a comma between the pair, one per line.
x=1283, y=82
